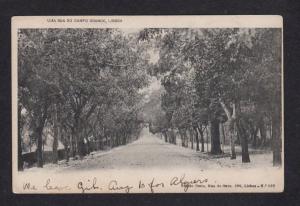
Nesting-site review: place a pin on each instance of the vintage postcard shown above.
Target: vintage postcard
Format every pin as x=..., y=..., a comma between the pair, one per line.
x=147, y=104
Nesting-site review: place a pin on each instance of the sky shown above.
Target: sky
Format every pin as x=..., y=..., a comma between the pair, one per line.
x=154, y=56
x=130, y=30
x=154, y=85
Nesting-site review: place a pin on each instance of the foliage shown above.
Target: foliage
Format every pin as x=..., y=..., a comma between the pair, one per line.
x=92, y=76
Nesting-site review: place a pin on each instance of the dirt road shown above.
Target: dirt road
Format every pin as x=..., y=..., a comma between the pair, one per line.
x=149, y=151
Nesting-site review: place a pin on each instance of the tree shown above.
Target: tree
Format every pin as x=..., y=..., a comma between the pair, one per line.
x=35, y=89
x=72, y=76
x=235, y=70
x=267, y=52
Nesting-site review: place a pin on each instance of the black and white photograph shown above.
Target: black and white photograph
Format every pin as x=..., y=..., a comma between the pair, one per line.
x=121, y=106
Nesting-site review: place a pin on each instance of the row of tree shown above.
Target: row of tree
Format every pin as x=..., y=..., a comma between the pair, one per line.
x=82, y=84
x=215, y=76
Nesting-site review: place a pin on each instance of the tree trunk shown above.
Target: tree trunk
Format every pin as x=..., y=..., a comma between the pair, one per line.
x=39, y=136
x=254, y=131
x=231, y=121
x=232, y=140
x=39, y=151
x=201, y=138
x=66, y=148
x=75, y=136
x=118, y=139
x=242, y=134
x=165, y=136
x=276, y=137
x=224, y=136
x=232, y=147
x=80, y=140
x=206, y=138
x=81, y=149
x=54, y=147
x=111, y=140
x=55, y=135
x=172, y=136
x=20, y=157
x=106, y=140
x=191, y=133
x=263, y=133
x=181, y=137
x=124, y=138
x=87, y=141
x=276, y=147
x=100, y=145
x=72, y=146
x=244, y=141
x=186, y=140
x=30, y=143
x=197, y=139
x=215, y=138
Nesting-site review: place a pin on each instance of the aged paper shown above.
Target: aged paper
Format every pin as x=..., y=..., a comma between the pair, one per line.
x=147, y=104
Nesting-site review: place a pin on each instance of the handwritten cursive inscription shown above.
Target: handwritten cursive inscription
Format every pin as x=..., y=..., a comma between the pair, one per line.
x=153, y=185
x=91, y=185
x=29, y=186
x=186, y=184
x=88, y=186
x=113, y=185
x=48, y=186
